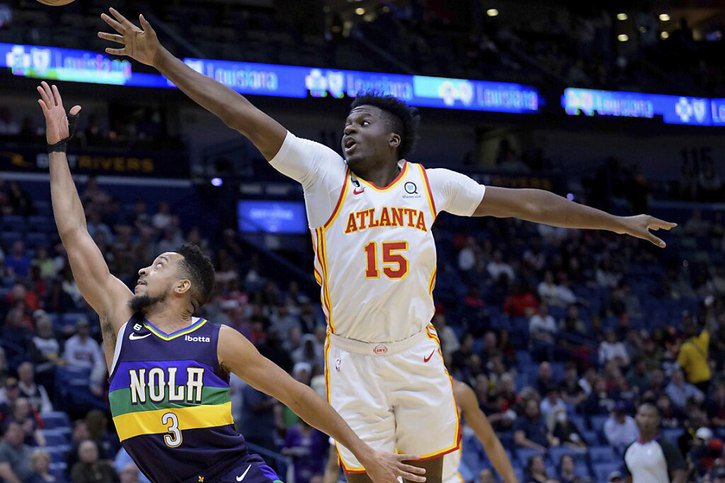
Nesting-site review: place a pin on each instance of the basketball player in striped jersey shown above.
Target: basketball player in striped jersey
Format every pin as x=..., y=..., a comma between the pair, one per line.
x=169, y=370
x=370, y=214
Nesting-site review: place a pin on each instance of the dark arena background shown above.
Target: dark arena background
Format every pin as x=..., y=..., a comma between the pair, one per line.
x=561, y=333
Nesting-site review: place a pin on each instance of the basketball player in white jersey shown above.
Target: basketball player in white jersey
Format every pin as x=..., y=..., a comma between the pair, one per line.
x=370, y=214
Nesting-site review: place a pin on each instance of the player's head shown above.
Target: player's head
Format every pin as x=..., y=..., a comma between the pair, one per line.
x=185, y=275
x=648, y=419
x=379, y=127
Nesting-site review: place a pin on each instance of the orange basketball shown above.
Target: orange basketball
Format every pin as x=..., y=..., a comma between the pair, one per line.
x=55, y=3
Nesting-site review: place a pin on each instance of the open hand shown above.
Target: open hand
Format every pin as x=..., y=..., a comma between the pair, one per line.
x=140, y=44
x=387, y=467
x=639, y=226
x=56, y=121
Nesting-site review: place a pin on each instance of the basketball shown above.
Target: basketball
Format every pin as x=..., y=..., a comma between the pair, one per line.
x=55, y=3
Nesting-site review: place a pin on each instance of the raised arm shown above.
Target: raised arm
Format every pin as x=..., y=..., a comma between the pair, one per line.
x=545, y=207
x=466, y=400
x=239, y=356
x=142, y=44
x=105, y=293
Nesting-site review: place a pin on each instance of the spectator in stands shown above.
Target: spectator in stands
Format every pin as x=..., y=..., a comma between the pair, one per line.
x=653, y=458
x=530, y=430
x=551, y=404
x=542, y=333
x=498, y=267
x=91, y=469
x=83, y=352
x=19, y=199
x=258, y=420
x=40, y=463
x=309, y=352
x=693, y=357
x=8, y=395
x=545, y=380
x=307, y=447
x=21, y=293
x=566, y=431
x=45, y=351
x=447, y=335
x=3, y=371
x=548, y=290
x=127, y=469
x=80, y=434
x=129, y=474
x=162, y=218
x=680, y=391
x=93, y=194
x=15, y=455
x=34, y=393
x=716, y=406
x=670, y=416
x=536, y=470
x=107, y=442
x=567, y=470
x=17, y=262
x=612, y=349
x=571, y=391
x=21, y=412
x=573, y=324
x=620, y=429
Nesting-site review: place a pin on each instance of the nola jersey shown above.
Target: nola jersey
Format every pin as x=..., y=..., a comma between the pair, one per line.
x=375, y=256
x=170, y=402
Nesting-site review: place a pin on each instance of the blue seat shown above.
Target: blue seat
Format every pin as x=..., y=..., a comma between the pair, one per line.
x=36, y=238
x=671, y=434
x=596, y=422
x=601, y=454
x=54, y=437
x=13, y=222
x=602, y=470
x=55, y=419
x=10, y=237
x=523, y=455
x=58, y=454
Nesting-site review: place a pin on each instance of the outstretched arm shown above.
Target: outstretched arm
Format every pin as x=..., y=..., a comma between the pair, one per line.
x=466, y=399
x=233, y=109
x=105, y=293
x=239, y=356
x=545, y=207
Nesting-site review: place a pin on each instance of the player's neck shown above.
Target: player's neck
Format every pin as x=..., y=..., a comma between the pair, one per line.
x=380, y=175
x=168, y=318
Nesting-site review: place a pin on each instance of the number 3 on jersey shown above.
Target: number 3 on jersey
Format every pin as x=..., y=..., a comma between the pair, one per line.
x=394, y=264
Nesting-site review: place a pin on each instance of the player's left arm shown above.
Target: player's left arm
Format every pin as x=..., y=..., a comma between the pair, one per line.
x=476, y=419
x=542, y=206
x=239, y=356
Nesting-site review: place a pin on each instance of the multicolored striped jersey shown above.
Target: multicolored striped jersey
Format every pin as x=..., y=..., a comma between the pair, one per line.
x=170, y=402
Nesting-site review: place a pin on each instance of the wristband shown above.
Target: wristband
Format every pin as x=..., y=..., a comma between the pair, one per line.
x=61, y=145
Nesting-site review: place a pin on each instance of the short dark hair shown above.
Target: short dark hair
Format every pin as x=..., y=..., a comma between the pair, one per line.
x=198, y=267
x=404, y=119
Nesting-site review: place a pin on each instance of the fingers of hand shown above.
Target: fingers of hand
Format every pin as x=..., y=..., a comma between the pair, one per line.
x=112, y=23
x=121, y=19
x=412, y=469
x=44, y=96
x=111, y=51
x=144, y=24
x=56, y=96
x=111, y=37
x=412, y=477
x=656, y=241
x=43, y=106
x=47, y=94
x=75, y=110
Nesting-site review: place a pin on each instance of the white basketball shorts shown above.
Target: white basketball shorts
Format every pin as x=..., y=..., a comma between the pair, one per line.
x=397, y=397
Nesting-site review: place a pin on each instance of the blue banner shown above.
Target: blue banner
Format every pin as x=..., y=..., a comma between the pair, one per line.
x=54, y=63
x=696, y=111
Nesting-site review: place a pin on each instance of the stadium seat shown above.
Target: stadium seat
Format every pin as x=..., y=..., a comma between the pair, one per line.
x=523, y=455
x=54, y=437
x=601, y=454
x=55, y=419
x=602, y=470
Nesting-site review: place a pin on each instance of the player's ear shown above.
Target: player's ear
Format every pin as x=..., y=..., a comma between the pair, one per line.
x=182, y=286
x=394, y=140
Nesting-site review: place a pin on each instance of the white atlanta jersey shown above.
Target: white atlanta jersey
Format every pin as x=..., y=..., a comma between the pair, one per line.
x=375, y=256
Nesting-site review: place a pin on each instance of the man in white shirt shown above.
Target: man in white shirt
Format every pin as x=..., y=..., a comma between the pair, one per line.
x=370, y=215
x=652, y=458
x=83, y=352
x=680, y=391
x=620, y=428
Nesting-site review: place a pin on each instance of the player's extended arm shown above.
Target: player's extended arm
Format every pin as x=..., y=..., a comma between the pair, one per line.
x=239, y=356
x=142, y=44
x=545, y=207
x=105, y=293
x=466, y=399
